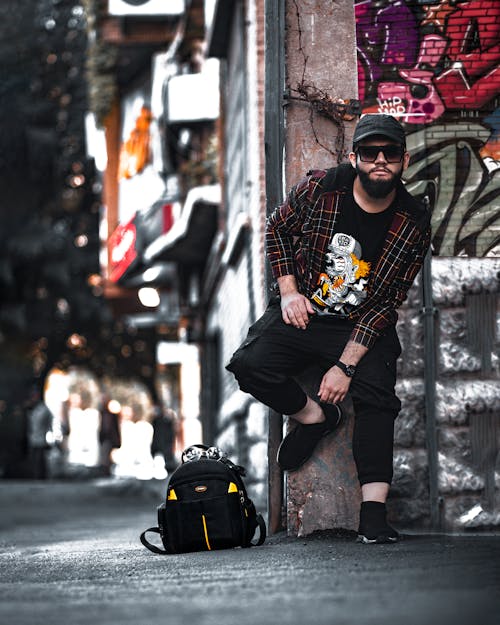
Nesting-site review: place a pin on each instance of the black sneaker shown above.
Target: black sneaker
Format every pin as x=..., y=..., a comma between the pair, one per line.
x=299, y=444
x=373, y=526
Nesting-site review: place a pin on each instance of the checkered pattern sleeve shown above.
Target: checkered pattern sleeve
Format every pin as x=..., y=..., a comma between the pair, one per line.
x=381, y=311
x=286, y=222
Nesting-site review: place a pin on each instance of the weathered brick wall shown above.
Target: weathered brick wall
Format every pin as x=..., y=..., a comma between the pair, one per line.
x=436, y=66
x=241, y=423
x=240, y=296
x=257, y=187
x=256, y=425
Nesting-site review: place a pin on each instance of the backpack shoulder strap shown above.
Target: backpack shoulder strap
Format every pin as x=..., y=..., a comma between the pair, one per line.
x=149, y=545
x=334, y=179
x=328, y=182
x=261, y=524
x=262, y=530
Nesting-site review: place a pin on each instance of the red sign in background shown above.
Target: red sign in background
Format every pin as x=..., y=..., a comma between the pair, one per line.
x=122, y=250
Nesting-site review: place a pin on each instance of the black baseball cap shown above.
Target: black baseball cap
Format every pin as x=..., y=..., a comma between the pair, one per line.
x=379, y=124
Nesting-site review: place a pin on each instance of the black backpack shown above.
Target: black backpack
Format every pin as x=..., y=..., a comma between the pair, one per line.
x=206, y=507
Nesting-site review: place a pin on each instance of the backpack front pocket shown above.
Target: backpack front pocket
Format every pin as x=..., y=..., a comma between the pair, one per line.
x=204, y=524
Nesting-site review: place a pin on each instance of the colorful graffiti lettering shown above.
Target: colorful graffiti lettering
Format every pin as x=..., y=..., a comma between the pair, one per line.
x=474, y=52
x=380, y=45
x=457, y=66
x=446, y=167
x=430, y=62
x=491, y=149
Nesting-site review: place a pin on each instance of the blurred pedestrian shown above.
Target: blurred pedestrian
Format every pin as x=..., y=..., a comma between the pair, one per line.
x=109, y=435
x=164, y=436
x=39, y=420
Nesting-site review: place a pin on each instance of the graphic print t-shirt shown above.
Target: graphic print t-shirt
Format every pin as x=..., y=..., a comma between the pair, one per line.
x=352, y=253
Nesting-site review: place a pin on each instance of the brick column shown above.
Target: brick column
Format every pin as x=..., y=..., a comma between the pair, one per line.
x=320, y=54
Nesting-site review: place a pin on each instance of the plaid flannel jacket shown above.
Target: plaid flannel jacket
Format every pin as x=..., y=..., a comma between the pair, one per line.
x=298, y=233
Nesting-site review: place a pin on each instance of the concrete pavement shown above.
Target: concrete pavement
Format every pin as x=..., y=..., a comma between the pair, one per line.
x=70, y=554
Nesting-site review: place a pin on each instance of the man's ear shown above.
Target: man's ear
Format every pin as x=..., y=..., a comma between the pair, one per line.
x=406, y=160
x=352, y=159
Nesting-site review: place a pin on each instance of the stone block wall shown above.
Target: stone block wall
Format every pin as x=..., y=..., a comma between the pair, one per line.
x=467, y=400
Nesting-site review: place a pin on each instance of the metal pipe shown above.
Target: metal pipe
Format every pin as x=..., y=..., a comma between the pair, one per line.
x=429, y=313
x=273, y=144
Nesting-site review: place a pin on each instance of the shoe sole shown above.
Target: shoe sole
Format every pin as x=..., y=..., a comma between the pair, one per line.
x=296, y=468
x=380, y=540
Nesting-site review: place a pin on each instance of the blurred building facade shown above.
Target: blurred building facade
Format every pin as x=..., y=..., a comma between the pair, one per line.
x=191, y=222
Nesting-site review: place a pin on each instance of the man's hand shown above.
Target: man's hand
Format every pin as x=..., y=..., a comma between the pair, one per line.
x=335, y=383
x=334, y=386
x=295, y=310
x=295, y=307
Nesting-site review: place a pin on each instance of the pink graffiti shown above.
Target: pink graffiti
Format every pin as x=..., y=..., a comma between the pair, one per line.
x=470, y=47
x=431, y=51
x=474, y=34
x=457, y=93
x=378, y=33
x=474, y=50
x=361, y=82
x=398, y=98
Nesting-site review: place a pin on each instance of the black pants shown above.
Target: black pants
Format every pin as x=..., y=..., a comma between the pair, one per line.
x=274, y=352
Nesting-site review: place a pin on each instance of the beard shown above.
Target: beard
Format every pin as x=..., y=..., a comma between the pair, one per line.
x=378, y=189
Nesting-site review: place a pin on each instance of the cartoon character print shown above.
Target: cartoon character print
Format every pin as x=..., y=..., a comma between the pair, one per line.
x=342, y=286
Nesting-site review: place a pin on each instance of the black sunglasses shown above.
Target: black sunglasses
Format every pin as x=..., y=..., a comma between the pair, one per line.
x=369, y=153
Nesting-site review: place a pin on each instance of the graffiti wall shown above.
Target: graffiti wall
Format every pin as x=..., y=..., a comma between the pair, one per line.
x=435, y=65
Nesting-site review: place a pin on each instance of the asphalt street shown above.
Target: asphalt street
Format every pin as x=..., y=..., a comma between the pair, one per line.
x=70, y=554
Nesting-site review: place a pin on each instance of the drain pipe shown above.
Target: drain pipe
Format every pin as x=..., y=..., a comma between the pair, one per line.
x=429, y=313
x=274, y=142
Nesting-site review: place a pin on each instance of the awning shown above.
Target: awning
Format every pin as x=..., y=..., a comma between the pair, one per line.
x=218, y=36
x=189, y=239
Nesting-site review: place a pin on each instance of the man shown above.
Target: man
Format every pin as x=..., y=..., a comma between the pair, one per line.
x=344, y=247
